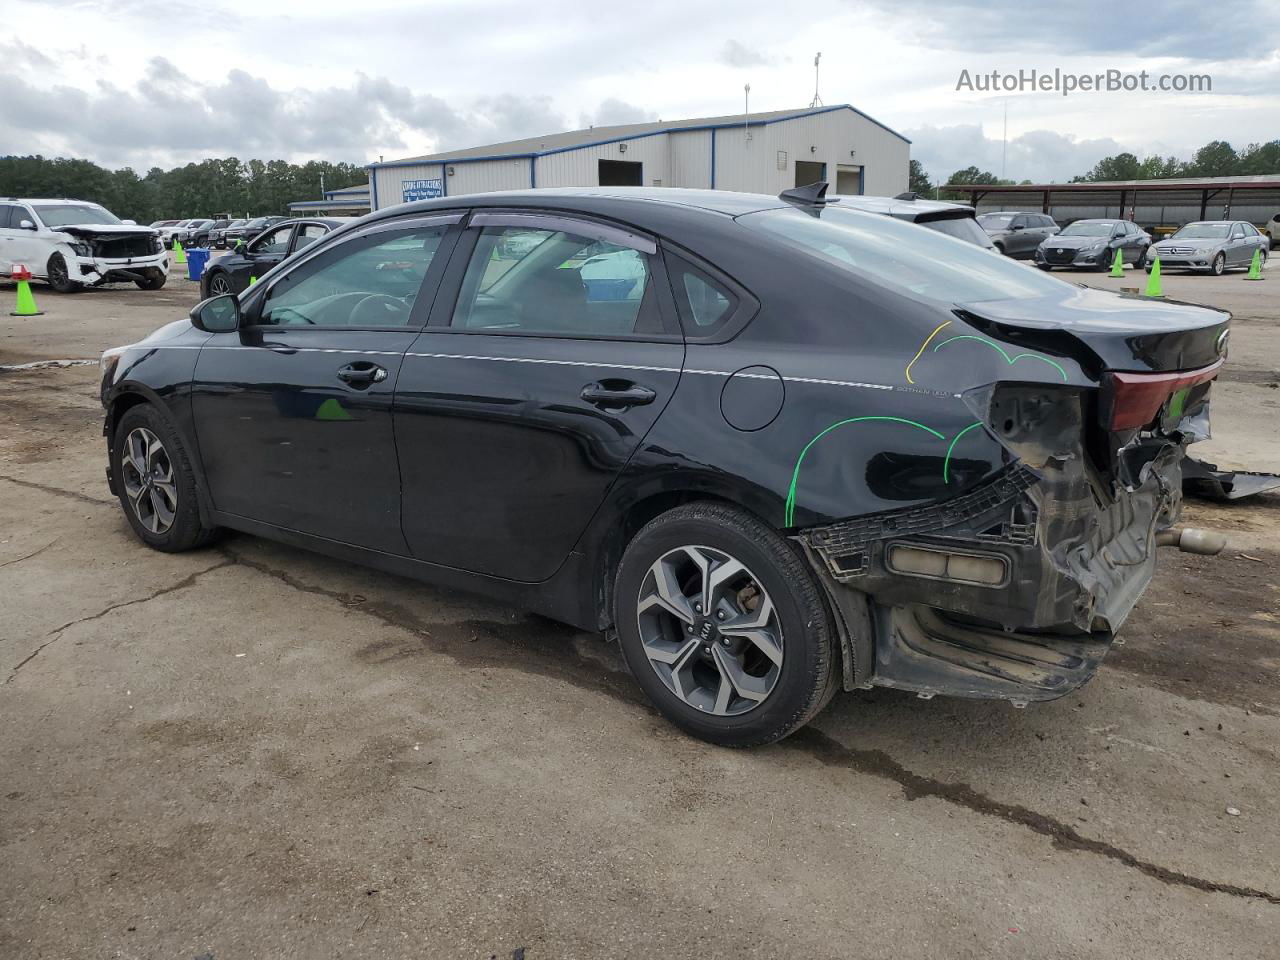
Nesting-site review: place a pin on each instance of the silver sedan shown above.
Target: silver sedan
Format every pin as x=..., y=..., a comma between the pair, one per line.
x=1212, y=245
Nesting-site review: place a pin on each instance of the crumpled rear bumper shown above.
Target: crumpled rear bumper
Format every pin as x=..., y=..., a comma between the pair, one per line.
x=1075, y=565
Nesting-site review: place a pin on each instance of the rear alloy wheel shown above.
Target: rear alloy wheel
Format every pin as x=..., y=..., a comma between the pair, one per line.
x=155, y=482
x=60, y=277
x=1219, y=265
x=219, y=284
x=723, y=625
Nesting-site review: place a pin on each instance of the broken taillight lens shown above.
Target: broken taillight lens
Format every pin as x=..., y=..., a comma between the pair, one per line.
x=1136, y=398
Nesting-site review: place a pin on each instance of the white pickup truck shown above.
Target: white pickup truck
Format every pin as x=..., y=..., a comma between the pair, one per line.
x=73, y=244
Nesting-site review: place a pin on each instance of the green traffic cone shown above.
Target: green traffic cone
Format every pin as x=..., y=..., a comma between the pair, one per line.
x=1153, y=281
x=1255, y=268
x=1117, y=265
x=179, y=255
x=26, y=306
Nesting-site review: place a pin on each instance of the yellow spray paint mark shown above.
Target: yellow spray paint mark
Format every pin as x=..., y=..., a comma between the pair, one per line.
x=939, y=327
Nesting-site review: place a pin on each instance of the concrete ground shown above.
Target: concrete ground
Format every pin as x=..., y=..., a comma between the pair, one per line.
x=251, y=751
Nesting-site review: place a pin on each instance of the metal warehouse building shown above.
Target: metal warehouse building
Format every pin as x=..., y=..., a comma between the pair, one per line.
x=758, y=153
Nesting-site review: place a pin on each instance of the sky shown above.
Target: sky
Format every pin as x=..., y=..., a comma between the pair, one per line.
x=145, y=83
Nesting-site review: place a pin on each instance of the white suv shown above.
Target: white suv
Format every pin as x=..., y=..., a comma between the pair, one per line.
x=73, y=244
x=1272, y=230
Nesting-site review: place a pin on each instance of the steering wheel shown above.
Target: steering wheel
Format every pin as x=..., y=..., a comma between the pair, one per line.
x=284, y=316
x=384, y=310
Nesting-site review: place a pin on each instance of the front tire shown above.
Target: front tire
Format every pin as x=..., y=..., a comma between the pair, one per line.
x=723, y=625
x=155, y=279
x=60, y=277
x=219, y=284
x=155, y=482
x=1219, y=265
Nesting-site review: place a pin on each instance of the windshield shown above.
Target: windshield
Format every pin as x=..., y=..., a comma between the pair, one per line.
x=899, y=255
x=71, y=214
x=1088, y=228
x=996, y=221
x=962, y=228
x=1203, y=231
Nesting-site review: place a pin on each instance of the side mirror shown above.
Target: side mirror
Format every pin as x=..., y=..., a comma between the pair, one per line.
x=131, y=223
x=1018, y=226
x=26, y=225
x=217, y=314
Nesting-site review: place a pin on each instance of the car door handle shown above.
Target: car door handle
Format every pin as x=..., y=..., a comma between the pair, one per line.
x=362, y=373
x=619, y=394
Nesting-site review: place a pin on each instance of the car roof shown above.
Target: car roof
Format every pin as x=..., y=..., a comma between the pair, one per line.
x=1195, y=223
x=56, y=201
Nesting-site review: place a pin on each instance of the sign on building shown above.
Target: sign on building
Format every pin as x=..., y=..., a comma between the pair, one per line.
x=421, y=189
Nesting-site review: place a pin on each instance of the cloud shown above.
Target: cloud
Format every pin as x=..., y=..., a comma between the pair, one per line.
x=18, y=54
x=1000, y=33
x=169, y=116
x=1042, y=156
x=614, y=111
x=735, y=54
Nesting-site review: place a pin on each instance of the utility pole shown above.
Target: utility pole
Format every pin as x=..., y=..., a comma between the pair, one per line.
x=746, y=111
x=817, y=100
x=1004, y=144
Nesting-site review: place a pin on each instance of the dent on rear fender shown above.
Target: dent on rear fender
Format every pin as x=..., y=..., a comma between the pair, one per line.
x=915, y=435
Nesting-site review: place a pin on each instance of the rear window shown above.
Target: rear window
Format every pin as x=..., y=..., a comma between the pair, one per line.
x=962, y=228
x=925, y=263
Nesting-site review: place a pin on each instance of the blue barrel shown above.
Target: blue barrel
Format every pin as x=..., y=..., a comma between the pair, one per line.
x=196, y=259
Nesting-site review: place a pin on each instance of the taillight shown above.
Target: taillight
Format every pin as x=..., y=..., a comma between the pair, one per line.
x=1136, y=398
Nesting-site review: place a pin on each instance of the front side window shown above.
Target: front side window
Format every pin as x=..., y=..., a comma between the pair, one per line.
x=899, y=255
x=1237, y=233
x=72, y=214
x=277, y=241
x=308, y=234
x=369, y=281
x=546, y=281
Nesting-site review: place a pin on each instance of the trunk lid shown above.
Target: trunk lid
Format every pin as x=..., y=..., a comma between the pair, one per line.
x=1106, y=331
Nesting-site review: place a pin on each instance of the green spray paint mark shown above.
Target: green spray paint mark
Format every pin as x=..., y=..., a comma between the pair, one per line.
x=795, y=474
x=946, y=463
x=1007, y=359
x=331, y=409
x=1177, y=404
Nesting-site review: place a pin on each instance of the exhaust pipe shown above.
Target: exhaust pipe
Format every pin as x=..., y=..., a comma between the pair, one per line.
x=1210, y=543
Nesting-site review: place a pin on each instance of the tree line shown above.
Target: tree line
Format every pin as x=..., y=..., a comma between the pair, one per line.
x=1215, y=159
x=230, y=185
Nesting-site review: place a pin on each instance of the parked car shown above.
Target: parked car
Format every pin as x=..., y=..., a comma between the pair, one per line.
x=186, y=234
x=1018, y=234
x=1093, y=244
x=1211, y=245
x=218, y=236
x=201, y=236
x=815, y=449
x=954, y=219
x=1272, y=230
x=232, y=273
x=72, y=244
x=163, y=223
x=248, y=230
x=173, y=226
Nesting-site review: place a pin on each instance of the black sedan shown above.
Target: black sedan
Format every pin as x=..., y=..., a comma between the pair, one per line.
x=779, y=447
x=1093, y=244
x=236, y=271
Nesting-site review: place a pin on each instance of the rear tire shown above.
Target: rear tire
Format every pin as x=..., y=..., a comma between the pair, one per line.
x=155, y=482
x=723, y=625
x=1000, y=247
x=60, y=277
x=1044, y=266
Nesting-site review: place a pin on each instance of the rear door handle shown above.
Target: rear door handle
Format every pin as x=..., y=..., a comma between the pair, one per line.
x=619, y=394
x=362, y=373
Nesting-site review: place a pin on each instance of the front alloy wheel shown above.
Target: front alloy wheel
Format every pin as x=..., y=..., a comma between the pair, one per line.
x=710, y=630
x=147, y=474
x=219, y=285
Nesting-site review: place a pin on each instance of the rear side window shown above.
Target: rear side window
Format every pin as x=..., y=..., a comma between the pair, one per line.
x=308, y=234
x=706, y=304
x=7, y=218
x=370, y=281
x=535, y=280
x=962, y=228
x=900, y=256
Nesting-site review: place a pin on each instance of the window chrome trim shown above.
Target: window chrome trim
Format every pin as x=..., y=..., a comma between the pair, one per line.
x=590, y=229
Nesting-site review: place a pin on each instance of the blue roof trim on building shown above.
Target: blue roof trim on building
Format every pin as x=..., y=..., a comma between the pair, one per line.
x=641, y=136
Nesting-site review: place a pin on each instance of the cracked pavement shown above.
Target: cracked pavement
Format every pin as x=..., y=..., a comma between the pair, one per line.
x=250, y=751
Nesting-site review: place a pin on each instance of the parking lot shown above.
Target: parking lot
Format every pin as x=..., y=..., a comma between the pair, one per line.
x=252, y=751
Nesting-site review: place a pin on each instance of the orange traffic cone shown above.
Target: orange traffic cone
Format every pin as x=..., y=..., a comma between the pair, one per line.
x=26, y=306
